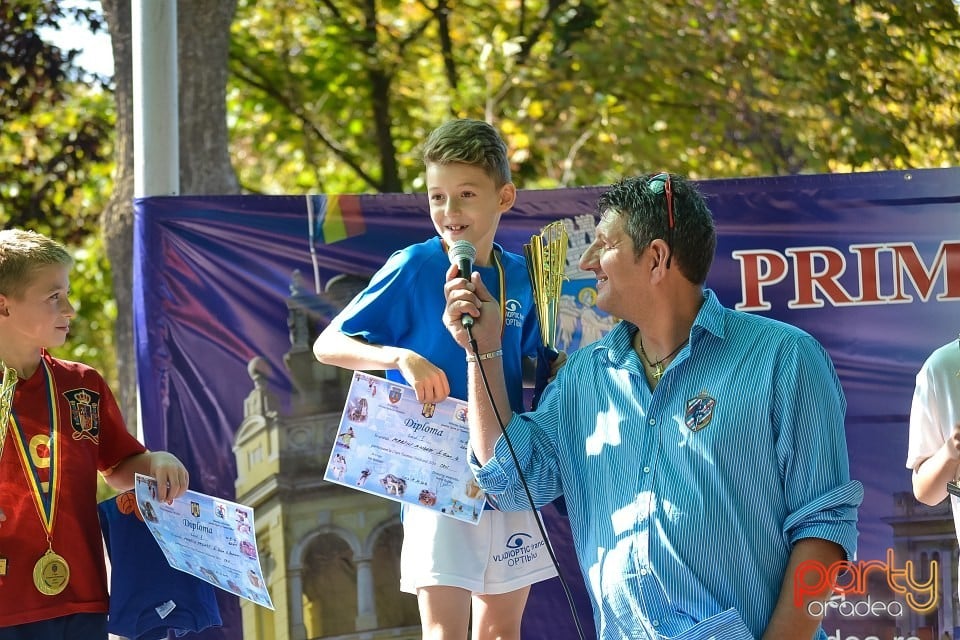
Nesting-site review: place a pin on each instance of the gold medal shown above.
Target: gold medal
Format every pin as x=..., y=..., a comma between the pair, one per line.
x=51, y=573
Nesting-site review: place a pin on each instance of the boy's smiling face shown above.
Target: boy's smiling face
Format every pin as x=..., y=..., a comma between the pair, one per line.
x=39, y=317
x=465, y=204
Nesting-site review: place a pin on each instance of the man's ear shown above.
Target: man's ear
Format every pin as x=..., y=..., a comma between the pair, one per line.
x=659, y=259
x=659, y=252
x=3, y=306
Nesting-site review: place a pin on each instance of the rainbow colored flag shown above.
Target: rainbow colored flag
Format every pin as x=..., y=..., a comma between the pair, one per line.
x=335, y=217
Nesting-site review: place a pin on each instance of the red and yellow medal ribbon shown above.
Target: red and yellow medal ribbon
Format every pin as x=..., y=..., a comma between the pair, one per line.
x=45, y=498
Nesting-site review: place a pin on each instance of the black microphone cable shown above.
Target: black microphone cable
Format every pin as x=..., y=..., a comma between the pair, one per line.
x=523, y=481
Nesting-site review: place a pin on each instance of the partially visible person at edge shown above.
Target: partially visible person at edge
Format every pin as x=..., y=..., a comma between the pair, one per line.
x=395, y=325
x=703, y=464
x=933, y=451
x=65, y=427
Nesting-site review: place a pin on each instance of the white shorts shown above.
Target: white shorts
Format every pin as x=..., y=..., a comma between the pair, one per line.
x=500, y=554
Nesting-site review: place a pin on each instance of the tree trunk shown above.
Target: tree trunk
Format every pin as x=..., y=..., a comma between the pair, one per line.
x=203, y=46
x=117, y=219
x=203, y=42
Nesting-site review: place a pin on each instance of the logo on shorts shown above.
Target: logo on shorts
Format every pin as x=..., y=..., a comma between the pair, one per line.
x=521, y=548
x=518, y=539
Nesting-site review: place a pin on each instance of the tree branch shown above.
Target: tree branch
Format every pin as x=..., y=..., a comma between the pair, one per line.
x=251, y=76
x=442, y=14
x=526, y=47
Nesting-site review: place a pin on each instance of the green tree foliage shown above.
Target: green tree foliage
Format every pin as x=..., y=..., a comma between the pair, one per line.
x=91, y=333
x=764, y=87
x=56, y=133
x=335, y=95
x=55, y=124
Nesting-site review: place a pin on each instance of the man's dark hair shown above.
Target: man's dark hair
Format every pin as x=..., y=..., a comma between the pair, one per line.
x=642, y=204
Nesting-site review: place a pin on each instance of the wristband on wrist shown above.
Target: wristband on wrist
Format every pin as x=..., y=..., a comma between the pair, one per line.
x=484, y=356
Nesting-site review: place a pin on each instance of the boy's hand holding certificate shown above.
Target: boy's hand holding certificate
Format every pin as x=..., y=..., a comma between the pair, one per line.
x=391, y=445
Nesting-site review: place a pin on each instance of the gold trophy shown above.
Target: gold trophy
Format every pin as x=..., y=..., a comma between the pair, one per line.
x=7, y=387
x=546, y=264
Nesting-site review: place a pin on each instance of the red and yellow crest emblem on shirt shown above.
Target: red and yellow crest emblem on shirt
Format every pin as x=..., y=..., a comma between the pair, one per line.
x=84, y=413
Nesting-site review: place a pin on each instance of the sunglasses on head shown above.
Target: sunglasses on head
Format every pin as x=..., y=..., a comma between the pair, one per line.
x=658, y=184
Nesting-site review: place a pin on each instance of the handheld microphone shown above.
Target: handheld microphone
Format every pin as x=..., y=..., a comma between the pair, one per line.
x=462, y=254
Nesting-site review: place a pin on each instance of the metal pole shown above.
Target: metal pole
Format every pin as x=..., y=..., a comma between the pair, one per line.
x=156, y=132
x=156, y=140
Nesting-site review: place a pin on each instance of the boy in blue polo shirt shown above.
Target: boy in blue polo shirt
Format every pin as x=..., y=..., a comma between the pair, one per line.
x=395, y=325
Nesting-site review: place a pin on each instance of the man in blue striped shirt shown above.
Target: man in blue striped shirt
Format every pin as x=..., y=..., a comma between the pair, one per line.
x=700, y=450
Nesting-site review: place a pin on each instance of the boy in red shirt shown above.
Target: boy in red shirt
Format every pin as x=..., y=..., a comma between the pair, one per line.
x=63, y=427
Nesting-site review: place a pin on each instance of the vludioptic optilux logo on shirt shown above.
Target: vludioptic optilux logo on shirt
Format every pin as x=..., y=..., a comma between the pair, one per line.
x=520, y=549
x=514, y=314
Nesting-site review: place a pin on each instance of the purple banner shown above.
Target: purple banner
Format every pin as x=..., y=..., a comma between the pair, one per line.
x=867, y=263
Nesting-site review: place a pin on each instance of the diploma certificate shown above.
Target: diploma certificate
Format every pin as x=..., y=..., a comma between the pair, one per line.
x=390, y=445
x=207, y=537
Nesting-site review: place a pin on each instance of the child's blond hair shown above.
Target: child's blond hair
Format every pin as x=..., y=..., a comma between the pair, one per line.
x=472, y=142
x=23, y=251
